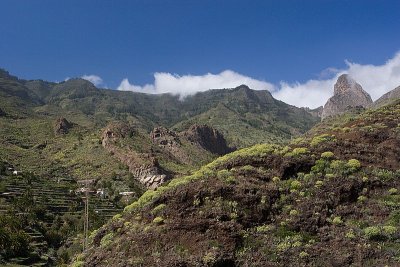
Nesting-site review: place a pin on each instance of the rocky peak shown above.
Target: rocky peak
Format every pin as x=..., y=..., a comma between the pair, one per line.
x=347, y=94
x=164, y=137
x=208, y=138
x=62, y=126
x=345, y=83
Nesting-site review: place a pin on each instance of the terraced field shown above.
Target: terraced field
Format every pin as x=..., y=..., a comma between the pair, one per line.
x=44, y=206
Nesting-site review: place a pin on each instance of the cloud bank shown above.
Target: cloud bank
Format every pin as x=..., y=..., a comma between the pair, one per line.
x=96, y=80
x=375, y=79
x=190, y=84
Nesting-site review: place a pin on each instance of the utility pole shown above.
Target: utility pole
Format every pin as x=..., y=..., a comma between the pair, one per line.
x=86, y=190
x=86, y=228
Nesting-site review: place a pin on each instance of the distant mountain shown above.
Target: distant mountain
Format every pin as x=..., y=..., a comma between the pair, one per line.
x=388, y=97
x=347, y=94
x=243, y=115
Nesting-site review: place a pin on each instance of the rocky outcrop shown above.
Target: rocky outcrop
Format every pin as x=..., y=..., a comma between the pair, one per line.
x=62, y=126
x=143, y=166
x=208, y=138
x=170, y=142
x=347, y=94
x=164, y=137
x=388, y=97
x=316, y=112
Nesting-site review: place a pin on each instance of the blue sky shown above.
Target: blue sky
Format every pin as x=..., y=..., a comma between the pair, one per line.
x=272, y=41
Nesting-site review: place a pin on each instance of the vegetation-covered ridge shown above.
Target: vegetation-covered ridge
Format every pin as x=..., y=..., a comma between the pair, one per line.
x=244, y=116
x=329, y=199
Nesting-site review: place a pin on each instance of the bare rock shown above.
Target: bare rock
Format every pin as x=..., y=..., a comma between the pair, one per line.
x=347, y=94
x=143, y=166
x=208, y=138
x=164, y=137
x=62, y=126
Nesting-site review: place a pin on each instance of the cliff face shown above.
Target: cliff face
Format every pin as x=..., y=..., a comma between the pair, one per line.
x=208, y=138
x=170, y=142
x=347, y=94
x=150, y=157
x=143, y=166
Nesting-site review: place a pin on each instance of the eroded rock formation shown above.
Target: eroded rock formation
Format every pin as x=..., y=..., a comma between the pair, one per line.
x=62, y=126
x=347, y=94
x=143, y=166
x=208, y=138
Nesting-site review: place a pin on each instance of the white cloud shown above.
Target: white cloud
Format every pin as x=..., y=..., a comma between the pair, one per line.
x=313, y=93
x=96, y=80
x=376, y=80
x=189, y=84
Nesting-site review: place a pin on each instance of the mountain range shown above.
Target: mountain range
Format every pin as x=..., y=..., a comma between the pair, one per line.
x=209, y=177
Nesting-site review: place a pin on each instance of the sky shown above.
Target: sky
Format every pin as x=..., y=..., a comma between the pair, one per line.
x=294, y=48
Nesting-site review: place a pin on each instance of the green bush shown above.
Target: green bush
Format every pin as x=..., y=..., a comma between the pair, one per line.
x=389, y=230
x=354, y=164
x=378, y=233
x=393, y=191
x=276, y=179
x=361, y=198
x=327, y=155
x=297, y=152
x=106, y=240
x=373, y=233
x=337, y=220
x=264, y=228
x=338, y=167
x=321, y=166
x=350, y=234
x=319, y=183
x=293, y=213
x=159, y=208
x=158, y=220
x=295, y=185
x=303, y=254
x=317, y=140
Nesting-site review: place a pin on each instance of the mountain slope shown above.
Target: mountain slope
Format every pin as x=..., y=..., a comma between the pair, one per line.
x=387, y=98
x=255, y=111
x=321, y=201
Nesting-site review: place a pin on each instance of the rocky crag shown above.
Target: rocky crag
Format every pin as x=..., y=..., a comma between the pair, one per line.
x=143, y=166
x=62, y=126
x=169, y=142
x=208, y=138
x=347, y=94
x=182, y=149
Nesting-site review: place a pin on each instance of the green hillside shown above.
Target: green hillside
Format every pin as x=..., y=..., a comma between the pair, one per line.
x=330, y=198
x=250, y=110
x=32, y=144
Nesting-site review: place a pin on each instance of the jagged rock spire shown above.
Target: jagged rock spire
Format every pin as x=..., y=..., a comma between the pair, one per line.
x=347, y=94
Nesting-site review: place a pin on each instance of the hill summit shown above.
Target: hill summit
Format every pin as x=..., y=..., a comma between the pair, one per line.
x=347, y=93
